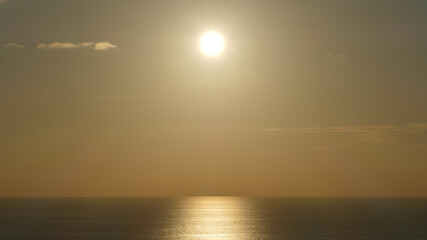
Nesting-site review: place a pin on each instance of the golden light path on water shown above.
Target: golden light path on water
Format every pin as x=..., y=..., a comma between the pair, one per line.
x=212, y=218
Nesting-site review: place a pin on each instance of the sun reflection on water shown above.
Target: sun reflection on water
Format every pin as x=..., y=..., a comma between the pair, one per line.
x=212, y=218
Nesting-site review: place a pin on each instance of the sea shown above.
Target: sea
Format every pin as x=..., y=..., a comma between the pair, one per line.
x=225, y=218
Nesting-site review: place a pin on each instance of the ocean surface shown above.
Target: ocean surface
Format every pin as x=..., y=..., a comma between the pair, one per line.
x=227, y=218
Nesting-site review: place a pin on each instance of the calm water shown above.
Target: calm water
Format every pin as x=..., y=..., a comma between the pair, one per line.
x=214, y=218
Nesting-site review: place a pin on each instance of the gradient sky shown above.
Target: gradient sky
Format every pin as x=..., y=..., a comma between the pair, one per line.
x=310, y=98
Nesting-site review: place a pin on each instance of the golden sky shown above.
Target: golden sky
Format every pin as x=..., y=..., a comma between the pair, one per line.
x=309, y=98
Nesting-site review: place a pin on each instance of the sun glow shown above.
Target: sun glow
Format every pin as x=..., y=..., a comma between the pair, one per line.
x=212, y=44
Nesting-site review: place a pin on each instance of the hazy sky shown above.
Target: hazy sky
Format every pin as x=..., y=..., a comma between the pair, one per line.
x=309, y=98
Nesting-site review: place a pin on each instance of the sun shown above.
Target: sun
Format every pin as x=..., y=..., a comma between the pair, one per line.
x=212, y=44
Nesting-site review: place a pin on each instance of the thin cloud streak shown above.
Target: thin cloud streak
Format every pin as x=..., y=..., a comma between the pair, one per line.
x=67, y=45
x=83, y=96
x=57, y=45
x=366, y=130
x=104, y=46
x=13, y=45
x=352, y=136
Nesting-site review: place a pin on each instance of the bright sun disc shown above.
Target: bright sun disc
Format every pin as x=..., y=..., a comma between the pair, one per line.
x=212, y=44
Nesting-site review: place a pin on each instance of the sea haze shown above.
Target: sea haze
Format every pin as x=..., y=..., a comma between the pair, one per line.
x=226, y=218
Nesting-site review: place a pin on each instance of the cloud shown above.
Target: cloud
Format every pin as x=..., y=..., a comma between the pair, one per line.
x=87, y=44
x=367, y=130
x=57, y=45
x=351, y=136
x=68, y=45
x=13, y=45
x=104, y=46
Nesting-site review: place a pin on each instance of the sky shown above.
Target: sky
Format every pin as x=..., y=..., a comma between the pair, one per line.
x=309, y=98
